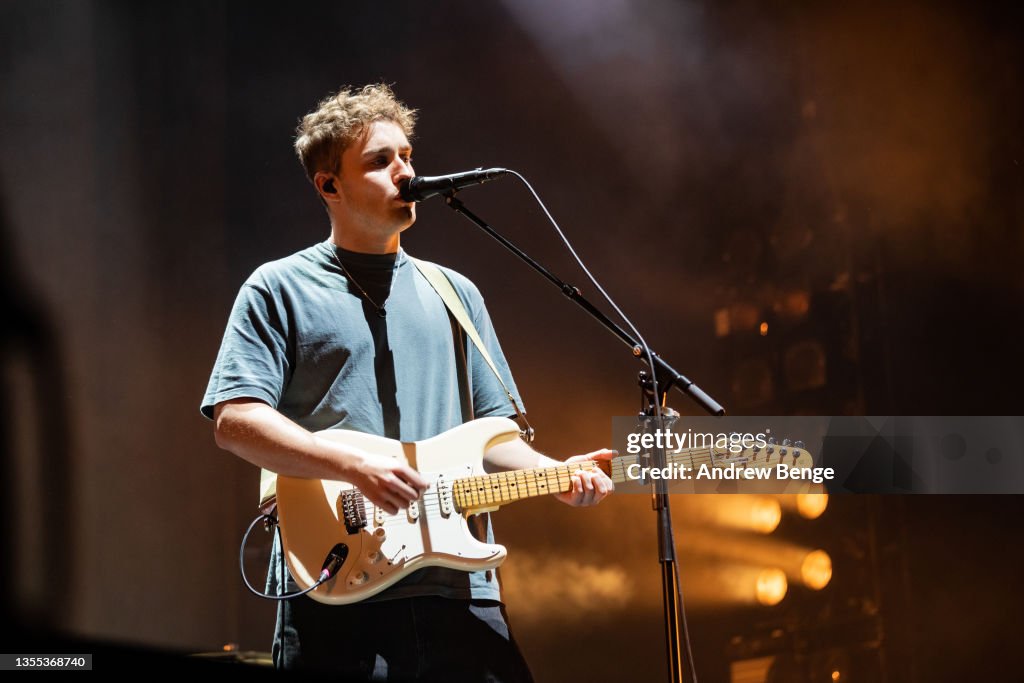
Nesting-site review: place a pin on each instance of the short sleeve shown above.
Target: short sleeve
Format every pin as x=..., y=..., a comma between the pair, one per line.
x=253, y=360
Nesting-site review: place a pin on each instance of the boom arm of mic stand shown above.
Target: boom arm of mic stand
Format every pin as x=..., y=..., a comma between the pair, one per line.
x=666, y=545
x=663, y=369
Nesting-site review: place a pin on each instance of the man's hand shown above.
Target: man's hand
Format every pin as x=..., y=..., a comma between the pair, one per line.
x=385, y=481
x=588, y=487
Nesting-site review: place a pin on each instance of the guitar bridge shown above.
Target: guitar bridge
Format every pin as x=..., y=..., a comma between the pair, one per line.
x=353, y=510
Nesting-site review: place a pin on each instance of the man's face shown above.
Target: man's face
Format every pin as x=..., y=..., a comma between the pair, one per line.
x=372, y=168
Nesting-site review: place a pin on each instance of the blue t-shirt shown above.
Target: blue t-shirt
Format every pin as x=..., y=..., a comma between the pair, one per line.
x=305, y=341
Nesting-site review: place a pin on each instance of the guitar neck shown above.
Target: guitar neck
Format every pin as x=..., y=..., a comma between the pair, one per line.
x=489, y=491
x=493, y=490
x=691, y=459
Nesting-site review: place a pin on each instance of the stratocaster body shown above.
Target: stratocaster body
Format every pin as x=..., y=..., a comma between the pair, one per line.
x=383, y=548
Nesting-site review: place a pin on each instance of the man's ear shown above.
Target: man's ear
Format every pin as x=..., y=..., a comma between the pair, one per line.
x=324, y=183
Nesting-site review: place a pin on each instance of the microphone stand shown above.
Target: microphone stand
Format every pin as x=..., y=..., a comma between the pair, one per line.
x=656, y=416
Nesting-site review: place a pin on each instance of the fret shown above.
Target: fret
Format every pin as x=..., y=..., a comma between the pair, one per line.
x=483, y=486
x=546, y=473
x=521, y=489
x=567, y=484
x=619, y=466
x=506, y=493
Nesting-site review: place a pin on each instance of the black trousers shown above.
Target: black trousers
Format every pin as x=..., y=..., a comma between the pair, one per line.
x=408, y=639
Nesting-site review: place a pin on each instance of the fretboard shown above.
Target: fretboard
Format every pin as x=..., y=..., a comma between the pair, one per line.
x=501, y=488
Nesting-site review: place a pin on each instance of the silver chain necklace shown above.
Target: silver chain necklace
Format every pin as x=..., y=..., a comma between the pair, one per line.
x=381, y=312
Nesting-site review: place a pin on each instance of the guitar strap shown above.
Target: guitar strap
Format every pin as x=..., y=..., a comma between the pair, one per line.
x=453, y=302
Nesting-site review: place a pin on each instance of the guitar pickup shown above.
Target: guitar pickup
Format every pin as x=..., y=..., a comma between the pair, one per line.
x=444, y=496
x=353, y=510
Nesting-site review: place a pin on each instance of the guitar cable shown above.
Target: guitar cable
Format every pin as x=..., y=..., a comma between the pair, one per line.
x=335, y=558
x=656, y=402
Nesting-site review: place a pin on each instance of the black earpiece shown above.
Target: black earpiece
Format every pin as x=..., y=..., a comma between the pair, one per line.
x=329, y=187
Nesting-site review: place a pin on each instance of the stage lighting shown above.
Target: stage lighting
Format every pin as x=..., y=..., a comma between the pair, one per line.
x=765, y=515
x=741, y=512
x=811, y=505
x=711, y=583
x=816, y=569
x=771, y=586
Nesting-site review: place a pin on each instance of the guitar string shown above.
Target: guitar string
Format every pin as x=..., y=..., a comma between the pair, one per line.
x=431, y=500
x=478, y=496
x=695, y=457
x=705, y=457
x=514, y=487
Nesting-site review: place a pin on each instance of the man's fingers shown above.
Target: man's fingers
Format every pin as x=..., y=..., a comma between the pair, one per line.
x=413, y=479
x=404, y=493
x=582, y=488
x=595, y=487
x=388, y=503
x=603, y=454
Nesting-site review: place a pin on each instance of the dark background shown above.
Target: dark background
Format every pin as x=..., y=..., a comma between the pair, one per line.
x=848, y=176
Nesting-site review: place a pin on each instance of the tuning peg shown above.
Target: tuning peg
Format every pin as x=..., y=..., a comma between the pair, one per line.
x=799, y=444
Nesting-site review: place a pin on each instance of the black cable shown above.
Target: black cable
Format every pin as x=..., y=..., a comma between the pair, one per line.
x=682, y=605
x=629, y=323
x=282, y=584
x=657, y=404
x=241, y=565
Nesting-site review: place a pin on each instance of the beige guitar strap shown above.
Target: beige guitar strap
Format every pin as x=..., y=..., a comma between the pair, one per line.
x=268, y=491
x=451, y=299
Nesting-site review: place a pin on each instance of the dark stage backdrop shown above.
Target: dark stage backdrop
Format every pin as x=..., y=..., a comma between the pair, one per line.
x=846, y=178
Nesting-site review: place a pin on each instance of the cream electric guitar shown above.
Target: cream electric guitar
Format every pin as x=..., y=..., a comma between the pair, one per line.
x=321, y=518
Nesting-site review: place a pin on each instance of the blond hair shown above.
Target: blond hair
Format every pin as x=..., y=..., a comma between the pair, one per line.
x=341, y=118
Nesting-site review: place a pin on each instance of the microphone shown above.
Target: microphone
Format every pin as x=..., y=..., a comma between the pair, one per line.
x=422, y=187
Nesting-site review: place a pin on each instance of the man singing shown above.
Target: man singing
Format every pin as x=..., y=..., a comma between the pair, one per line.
x=349, y=334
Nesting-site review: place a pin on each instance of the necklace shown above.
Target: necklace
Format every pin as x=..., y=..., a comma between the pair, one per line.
x=381, y=311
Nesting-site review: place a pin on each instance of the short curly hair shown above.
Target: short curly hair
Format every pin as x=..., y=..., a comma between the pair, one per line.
x=340, y=118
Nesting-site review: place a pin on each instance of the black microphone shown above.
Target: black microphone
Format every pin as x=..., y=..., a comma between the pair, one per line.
x=422, y=187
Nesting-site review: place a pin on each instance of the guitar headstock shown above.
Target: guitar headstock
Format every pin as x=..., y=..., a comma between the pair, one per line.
x=761, y=455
